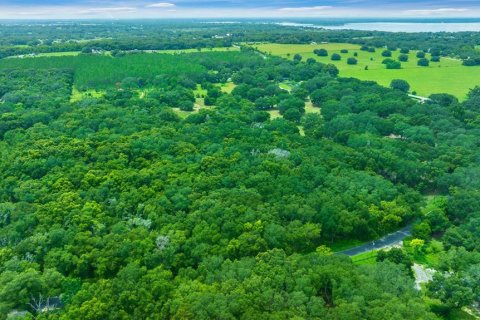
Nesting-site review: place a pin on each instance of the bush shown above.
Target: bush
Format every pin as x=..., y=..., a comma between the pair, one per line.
x=336, y=57
x=435, y=59
x=423, y=62
x=344, y=51
x=403, y=58
x=185, y=105
x=420, y=54
x=292, y=114
x=399, y=84
x=394, y=65
x=321, y=52
x=352, y=61
x=404, y=50
x=371, y=49
x=387, y=53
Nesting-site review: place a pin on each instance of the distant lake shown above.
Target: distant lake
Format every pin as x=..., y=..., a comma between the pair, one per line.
x=395, y=26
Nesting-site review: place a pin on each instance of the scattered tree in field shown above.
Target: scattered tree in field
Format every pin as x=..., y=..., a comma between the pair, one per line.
x=321, y=52
x=336, y=57
x=386, y=53
x=420, y=54
x=399, y=84
x=352, y=61
x=403, y=57
x=424, y=62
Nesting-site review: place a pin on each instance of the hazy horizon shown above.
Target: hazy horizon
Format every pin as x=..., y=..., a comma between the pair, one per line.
x=128, y=9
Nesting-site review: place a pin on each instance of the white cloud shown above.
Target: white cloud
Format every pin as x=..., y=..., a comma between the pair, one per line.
x=305, y=9
x=107, y=10
x=440, y=11
x=161, y=5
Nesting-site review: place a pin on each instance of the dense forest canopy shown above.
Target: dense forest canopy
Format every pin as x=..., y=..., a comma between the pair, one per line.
x=138, y=187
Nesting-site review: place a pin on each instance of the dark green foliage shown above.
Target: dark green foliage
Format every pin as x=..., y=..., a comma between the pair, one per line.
x=352, y=61
x=403, y=58
x=127, y=211
x=435, y=59
x=423, y=62
x=399, y=84
x=386, y=53
x=321, y=52
x=420, y=54
x=395, y=255
x=336, y=57
x=393, y=65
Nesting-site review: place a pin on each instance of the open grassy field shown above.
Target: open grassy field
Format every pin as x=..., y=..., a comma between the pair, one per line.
x=108, y=53
x=446, y=76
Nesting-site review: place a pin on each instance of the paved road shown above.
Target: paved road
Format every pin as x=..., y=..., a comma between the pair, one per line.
x=389, y=240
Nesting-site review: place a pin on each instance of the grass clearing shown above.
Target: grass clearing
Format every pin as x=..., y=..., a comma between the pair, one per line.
x=446, y=76
x=227, y=87
x=365, y=258
x=274, y=114
x=80, y=95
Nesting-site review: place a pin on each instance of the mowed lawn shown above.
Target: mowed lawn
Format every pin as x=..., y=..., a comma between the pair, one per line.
x=446, y=76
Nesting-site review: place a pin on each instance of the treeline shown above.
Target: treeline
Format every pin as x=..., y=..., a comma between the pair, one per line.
x=21, y=38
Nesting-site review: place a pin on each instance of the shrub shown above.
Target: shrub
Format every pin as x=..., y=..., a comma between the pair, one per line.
x=420, y=54
x=336, y=57
x=399, y=84
x=321, y=52
x=423, y=62
x=394, y=65
x=387, y=53
x=403, y=57
x=352, y=61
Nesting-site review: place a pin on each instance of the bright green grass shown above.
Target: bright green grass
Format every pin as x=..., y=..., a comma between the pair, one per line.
x=48, y=54
x=108, y=53
x=80, y=95
x=309, y=108
x=341, y=245
x=285, y=86
x=446, y=76
x=365, y=258
x=196, y=108
x=460, y=315
x=227, y=87
x=199, y=91
x=58, y=54
x=219, y=49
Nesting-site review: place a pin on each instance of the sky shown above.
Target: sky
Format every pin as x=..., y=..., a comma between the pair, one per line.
x=101, y=9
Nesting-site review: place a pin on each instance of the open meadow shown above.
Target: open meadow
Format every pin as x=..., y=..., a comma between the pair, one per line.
x=446, y=76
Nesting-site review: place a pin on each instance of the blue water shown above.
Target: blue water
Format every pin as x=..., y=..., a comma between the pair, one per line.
x=405, y=25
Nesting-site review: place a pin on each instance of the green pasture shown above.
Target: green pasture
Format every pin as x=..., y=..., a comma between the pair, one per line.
x=446, y=76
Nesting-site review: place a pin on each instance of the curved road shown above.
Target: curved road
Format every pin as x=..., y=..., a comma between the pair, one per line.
x=389, y=240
